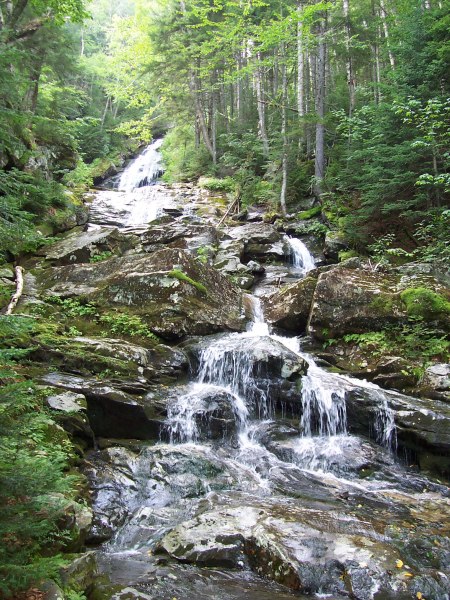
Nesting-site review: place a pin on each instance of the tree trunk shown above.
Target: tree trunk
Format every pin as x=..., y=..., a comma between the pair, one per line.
x=319, y=163
x=300, y=77
x=283, y=130
x=348, y=59
x=239, y=90
x=200, y=115
x=261, y=106
x=310, y=58
x=386, y=32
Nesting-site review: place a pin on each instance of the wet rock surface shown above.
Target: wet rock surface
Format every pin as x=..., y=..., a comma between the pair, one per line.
x=80, y=246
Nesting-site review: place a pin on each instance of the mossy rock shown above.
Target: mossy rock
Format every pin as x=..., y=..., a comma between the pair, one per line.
x=315, y=211
x=422, y=303
x=145, y=285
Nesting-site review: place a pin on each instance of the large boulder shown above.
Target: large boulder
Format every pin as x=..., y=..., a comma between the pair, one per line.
x=349, y=299
x=290, y=307
x=113, y=413
x=310, y=550
x=83, y=246
x=173, y=293
x=435, y=382
x=354, y=301
x=180, y=235
x=262, y=242
x=335, y=242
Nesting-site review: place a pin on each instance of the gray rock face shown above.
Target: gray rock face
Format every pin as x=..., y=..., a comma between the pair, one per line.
x=290, y=307
x=422, y=425
x=334, y=243
x=353, y=301
x=71, y=411
x=180, y=235
x=261, y=241
x=81, y=246
x=113, y=413
x=436, y=382
x=175, y=294
x=305, y=549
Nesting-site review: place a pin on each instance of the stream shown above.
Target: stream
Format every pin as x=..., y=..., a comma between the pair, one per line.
x=258, y=489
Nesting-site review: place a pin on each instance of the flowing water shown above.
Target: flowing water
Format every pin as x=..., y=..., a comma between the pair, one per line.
x=139, y=198
x=143, y=170
x=229, y=453
x=300, y=256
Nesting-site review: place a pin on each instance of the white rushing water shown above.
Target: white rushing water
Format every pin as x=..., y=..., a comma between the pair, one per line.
x=139, y=198
x=228, y=365
x=143, y=170
x=300, y=256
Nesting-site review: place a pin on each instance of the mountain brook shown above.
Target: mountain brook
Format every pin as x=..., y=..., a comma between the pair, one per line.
x=230, y=461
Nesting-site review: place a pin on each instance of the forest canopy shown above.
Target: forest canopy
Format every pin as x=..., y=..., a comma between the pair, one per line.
x=344, y=102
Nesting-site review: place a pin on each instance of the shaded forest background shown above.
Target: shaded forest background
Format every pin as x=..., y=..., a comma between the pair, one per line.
x=295, y=105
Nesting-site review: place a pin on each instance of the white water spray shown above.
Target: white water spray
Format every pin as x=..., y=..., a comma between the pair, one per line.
x=300, y=256
x=144, y=169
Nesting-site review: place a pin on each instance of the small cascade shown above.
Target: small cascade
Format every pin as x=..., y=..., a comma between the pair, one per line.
x=144, y=169
x=300, y=256
x=257, y=326
x=324, y=410
x=384, y=426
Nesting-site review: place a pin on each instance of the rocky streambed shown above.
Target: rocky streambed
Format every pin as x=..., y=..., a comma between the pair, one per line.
x=228, y=454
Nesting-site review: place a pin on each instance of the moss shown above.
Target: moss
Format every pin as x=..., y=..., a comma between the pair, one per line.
x=345, y=254
x=177, y=274
x=310, y=213
x=423, y=303
x=383, y=304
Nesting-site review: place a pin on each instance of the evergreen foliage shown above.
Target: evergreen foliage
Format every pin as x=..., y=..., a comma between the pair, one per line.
x=34, y=485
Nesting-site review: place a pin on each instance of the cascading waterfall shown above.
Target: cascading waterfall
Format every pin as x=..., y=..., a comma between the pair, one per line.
x=296, y=496
x=300, y=256
x=228, y=365
x=143, y=170
x=139, y=198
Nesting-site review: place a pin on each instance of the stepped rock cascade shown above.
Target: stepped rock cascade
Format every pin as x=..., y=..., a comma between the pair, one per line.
x=269, y=476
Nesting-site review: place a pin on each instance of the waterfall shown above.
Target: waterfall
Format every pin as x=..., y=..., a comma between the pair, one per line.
x=323, y=405
x=300, y=256
x=385, y=429
x=143, y=170
x=139, y=199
